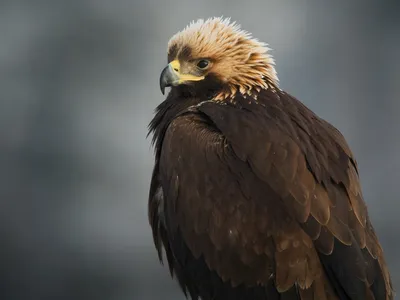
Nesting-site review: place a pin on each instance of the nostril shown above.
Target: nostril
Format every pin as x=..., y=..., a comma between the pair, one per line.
x=176, y=70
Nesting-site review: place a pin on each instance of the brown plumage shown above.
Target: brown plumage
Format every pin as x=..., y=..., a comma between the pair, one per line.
x=253, y=196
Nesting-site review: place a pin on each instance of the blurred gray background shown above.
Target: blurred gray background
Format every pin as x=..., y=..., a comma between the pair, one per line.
x=78, y=85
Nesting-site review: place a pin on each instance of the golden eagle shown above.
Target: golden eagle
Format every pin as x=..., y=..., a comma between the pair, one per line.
x=253, y=196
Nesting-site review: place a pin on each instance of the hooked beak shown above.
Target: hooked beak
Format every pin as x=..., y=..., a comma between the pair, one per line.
x=168, y=77
x=171, y=76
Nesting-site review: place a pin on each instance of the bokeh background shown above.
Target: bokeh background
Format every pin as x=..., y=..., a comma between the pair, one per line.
x=78, y=85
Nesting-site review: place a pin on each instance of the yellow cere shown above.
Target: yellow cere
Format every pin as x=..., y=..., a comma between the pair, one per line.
x=183, y=77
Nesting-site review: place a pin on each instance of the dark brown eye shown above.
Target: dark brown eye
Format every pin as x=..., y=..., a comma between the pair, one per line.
x=202, y=64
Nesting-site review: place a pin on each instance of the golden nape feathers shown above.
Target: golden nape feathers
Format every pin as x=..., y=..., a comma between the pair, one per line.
x=236, y=58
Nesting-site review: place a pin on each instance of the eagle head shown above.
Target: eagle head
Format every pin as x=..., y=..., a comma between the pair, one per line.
x=217, y=53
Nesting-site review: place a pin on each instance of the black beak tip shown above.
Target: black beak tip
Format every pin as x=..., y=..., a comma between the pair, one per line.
x=163, y=81
x=162, y=84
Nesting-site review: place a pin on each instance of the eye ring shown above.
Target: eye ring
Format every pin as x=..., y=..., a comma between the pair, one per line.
x=203, y=64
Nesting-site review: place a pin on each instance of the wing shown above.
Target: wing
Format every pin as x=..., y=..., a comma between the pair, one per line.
x=271, y=192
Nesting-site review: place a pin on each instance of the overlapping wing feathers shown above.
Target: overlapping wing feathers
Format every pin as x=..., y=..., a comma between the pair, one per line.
x=269, y=194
